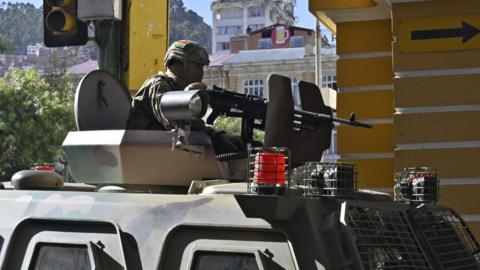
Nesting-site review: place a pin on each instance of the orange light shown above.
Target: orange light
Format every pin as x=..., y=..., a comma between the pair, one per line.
x=60, y=21
x=60, y=3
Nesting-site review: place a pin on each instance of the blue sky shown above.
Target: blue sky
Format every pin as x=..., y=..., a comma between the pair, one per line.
x=305, y=18
x=202, y=7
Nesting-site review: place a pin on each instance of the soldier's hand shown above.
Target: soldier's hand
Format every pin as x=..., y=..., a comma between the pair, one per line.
x=196, y=86
x=197, y=125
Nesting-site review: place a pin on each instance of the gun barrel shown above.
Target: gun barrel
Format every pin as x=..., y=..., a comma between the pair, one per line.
x=352, y=123
x=312, y=118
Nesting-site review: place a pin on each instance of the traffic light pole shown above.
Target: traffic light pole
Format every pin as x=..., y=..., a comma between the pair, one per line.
x=108, y=36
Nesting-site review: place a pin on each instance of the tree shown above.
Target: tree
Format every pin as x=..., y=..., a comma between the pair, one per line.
x=2, y=47
x=20, y=25
x=34, y=120
x=186, y=24
x=233, y=126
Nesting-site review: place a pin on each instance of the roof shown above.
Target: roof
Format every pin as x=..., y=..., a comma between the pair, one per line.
x=83, y=68
x=266, y=55
x=276, y=55
x=271, y=27
x=219, y=58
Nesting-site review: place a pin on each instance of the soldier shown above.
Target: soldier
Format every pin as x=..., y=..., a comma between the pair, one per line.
x=184, y=61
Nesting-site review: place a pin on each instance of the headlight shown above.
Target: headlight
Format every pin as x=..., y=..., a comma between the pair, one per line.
x=184, y=105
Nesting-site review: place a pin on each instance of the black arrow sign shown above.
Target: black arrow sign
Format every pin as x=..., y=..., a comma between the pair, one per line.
x=466, y=32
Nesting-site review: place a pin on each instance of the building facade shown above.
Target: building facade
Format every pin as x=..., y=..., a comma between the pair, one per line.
x=275, y=36
x=38, y=49
x=237, y=17
x=278, y=48
x=421, y=95
x=248, y=71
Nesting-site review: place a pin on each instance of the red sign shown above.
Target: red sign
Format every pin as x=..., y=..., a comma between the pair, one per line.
x=280, y=35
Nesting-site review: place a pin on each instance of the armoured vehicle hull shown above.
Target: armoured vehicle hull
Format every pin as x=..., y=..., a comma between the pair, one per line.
x=93, y=230
x=311, y=220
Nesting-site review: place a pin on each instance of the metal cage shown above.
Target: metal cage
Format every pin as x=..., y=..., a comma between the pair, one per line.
x=448, y=237
x=329, y=179
x=383, y=238
x=416, y=185
x=268, y=170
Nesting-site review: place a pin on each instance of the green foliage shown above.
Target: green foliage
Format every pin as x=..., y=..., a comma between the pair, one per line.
x=186, y=24
x=233, y=126
x=20, y=25
x=34, y=119
x=2, y=47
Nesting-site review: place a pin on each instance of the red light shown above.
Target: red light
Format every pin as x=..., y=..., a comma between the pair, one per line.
x=270, y=169
x=46, y=168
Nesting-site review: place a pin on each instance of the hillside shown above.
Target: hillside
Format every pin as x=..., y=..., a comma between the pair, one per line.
x=187, y=24
x=21, y=25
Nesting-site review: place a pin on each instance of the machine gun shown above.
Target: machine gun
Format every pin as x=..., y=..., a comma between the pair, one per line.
x=253, y=111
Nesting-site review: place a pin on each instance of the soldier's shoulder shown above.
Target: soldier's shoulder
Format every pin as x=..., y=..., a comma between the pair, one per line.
x=159, y=81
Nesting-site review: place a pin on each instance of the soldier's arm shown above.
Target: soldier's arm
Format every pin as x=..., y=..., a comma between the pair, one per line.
x=156, y=90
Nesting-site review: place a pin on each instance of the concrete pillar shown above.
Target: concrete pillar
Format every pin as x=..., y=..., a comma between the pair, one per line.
x=364, y=80
x=364, y=74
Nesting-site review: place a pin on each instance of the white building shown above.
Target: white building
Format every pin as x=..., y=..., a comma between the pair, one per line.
x=236, y=17
x=37, y=49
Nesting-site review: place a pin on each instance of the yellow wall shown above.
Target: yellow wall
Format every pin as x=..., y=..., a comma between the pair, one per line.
x=429, y=91
x=365, y=63
x=437, y=99
x=335, y=4
x=147, y=40
x=367, y=71
x=367, y=36
x=474, y=227
x=372, y=171
x=361, y=104
x=418, y=92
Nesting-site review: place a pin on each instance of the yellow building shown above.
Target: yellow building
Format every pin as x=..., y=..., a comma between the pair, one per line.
x=412, y=68
x=247, y=71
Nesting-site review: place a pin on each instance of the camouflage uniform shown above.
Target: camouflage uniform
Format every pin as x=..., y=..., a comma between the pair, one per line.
x=145, y=113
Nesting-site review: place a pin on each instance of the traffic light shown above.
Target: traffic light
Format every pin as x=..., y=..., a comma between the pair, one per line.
x=61, y=26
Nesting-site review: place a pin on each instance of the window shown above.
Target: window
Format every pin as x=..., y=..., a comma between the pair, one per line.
x=210, y=260
x=256, y=12
x=221, y=30
x=32, y=50
x=329, y=81
x=265, y=43
x=229, y=30
x=254, y=27
x=223, y=46
x=231, y=13
x=253, y=87
x=60, y=257
x=296, y=41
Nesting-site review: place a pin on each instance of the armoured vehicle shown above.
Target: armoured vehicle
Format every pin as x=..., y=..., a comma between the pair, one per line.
x=164, y=200
x=139, y=203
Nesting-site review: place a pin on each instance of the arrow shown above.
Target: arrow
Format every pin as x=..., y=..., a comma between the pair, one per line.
x=466, y=32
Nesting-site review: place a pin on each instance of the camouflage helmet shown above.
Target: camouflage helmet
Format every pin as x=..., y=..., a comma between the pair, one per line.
x=186, y=50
